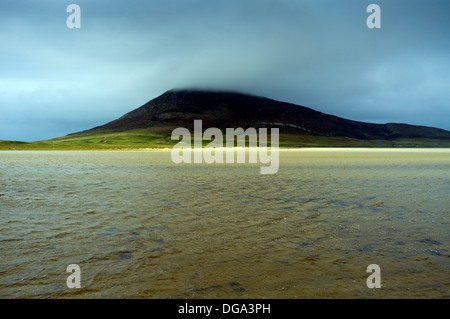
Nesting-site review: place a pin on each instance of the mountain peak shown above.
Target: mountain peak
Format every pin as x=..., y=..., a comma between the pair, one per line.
x=180, y=107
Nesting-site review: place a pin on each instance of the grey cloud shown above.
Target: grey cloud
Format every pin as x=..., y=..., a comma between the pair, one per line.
x=315, y=53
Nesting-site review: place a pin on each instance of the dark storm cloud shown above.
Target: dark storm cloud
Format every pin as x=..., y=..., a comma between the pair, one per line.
x=55, y=80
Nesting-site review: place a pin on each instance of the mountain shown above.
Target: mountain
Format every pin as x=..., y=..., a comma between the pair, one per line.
x=179, y=108
x=151, y=125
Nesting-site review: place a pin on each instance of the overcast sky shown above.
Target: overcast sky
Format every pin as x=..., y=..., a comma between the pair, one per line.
x=317, y=53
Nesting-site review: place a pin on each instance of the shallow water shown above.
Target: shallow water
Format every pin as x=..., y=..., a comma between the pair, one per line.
x=140, y=226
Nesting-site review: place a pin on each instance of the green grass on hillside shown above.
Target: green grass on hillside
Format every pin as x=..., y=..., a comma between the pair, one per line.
x=158, y=139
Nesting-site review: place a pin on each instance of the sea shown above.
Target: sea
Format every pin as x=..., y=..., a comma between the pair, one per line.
x=330, y=223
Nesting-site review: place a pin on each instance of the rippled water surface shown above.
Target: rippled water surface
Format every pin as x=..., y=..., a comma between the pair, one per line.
x=140, y=226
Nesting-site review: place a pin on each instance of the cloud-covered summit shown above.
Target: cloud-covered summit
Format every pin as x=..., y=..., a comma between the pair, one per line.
x=55, y=80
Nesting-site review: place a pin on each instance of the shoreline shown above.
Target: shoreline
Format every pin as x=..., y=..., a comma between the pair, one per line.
x=306, y=148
